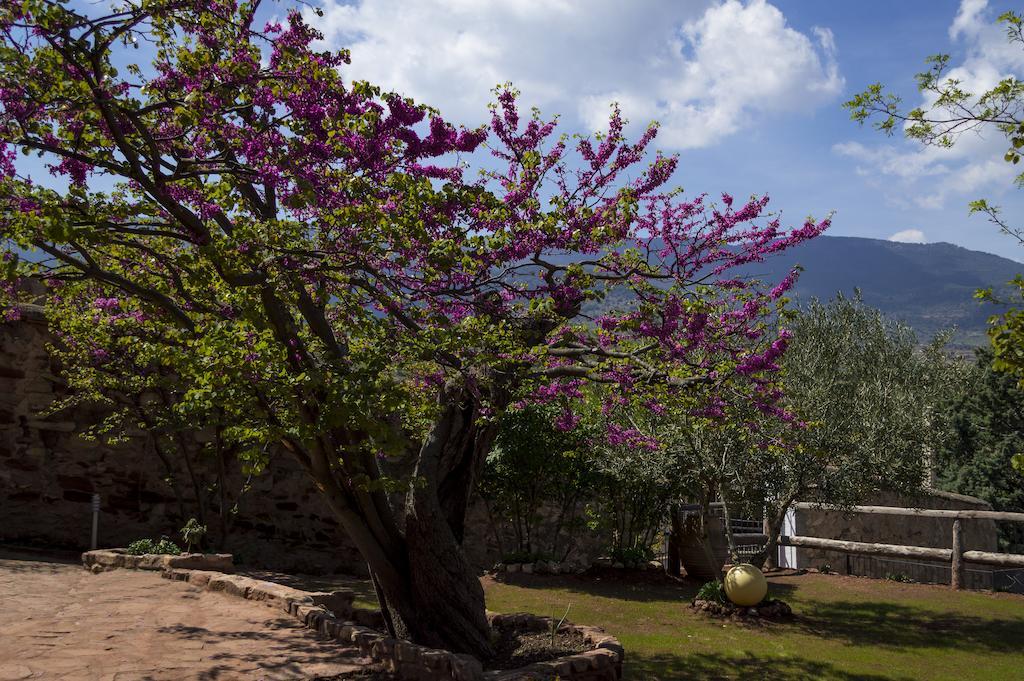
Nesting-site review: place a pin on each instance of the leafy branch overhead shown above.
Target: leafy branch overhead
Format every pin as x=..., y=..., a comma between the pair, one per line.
x=951, y=111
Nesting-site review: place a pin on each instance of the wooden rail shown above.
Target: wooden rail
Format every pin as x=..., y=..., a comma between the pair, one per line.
x=866, y=548
x=922, y=512
x=1000, y=559
x=955, y=556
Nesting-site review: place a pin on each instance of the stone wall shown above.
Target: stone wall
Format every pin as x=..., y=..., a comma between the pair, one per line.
x=48, y=474
x=490, y=540
x=978, y=535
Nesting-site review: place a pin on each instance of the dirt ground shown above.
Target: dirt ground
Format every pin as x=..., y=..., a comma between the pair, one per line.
x=58, y=621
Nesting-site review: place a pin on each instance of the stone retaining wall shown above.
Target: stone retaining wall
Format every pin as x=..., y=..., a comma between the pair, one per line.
x=978, y=535
x=331, y=614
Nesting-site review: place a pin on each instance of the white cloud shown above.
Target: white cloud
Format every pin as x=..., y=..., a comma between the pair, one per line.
x=705, y=70
x=930, y=176
x=969, y=20
x=888, y=160
x=909, y=236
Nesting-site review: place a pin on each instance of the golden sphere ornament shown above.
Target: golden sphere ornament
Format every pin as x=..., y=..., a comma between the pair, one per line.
x=745, y=585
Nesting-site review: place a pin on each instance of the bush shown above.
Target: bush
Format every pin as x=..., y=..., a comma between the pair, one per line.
x=633, y=555
x=899, y=577
x=635, y=487
x=144, y=546
x=536, y=484
x=712, y=591
x=193, y=533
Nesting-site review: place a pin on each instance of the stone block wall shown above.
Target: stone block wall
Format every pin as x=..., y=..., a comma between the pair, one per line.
x=978, y=535
x=490, y=539
x=48, y=474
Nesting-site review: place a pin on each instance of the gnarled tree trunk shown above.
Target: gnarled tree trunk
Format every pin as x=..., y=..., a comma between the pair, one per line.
x=442, y=602
x=432, y=593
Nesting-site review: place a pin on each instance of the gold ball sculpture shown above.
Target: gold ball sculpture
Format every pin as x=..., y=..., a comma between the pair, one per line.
x=745, y=585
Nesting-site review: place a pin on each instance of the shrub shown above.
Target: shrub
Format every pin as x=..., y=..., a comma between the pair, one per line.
x=193, y=533
x=144, y=546
x=633, y=555
x=536, y=484
x=899, y=577
x=712, y=591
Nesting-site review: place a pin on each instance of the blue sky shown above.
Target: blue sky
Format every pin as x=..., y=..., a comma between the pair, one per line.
x=749, y=93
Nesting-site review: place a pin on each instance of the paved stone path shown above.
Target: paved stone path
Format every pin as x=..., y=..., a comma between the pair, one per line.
x=58, y=621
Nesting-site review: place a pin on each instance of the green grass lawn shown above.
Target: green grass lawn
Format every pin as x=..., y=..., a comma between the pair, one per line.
x=845, y=628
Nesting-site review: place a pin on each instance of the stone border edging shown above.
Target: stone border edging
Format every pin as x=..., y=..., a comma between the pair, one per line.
x=603, y=663
x=109, y=559
x=332, y=615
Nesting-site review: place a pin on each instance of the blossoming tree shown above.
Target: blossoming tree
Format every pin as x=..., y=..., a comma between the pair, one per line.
x=308, y=255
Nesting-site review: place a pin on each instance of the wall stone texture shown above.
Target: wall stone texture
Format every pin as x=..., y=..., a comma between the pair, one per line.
x=48, y=474
x=978, y=535
x=489, y=540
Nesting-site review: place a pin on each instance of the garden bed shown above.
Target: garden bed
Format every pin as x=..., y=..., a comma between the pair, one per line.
x=599, y=660
x=515, y=649
x=771, y=609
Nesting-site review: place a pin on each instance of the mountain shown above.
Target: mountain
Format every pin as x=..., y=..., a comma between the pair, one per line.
x=928, y=286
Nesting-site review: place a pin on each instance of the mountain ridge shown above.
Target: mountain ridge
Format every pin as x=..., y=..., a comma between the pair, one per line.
x=930, y=287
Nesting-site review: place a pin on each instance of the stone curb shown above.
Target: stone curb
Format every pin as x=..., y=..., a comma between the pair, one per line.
x=331, y=615
x=110, y=559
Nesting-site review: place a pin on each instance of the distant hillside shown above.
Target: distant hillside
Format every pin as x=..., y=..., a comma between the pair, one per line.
x=928, y=286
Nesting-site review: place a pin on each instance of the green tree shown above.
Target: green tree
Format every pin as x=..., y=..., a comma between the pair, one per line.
x=866, y=398
x=637, y=483
x=114, y=368
x=988, y=434
x=952, y=111
x=540, y=481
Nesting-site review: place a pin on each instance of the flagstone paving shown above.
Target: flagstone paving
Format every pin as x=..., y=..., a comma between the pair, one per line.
x=58, y=621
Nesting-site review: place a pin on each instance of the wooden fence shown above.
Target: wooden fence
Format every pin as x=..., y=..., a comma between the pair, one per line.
x=955, y=556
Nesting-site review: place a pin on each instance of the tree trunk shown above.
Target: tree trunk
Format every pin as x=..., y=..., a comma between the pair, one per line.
x=441, y=601
x=432, y=593
x=705, y=536
x=734, y=555
x=429, y=589
x=673, y=563
x=775, y=517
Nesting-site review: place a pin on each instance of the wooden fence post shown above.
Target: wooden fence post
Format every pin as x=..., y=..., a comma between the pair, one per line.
x=956, y=575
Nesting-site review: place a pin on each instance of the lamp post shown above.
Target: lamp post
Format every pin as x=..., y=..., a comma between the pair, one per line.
x=95, y=520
